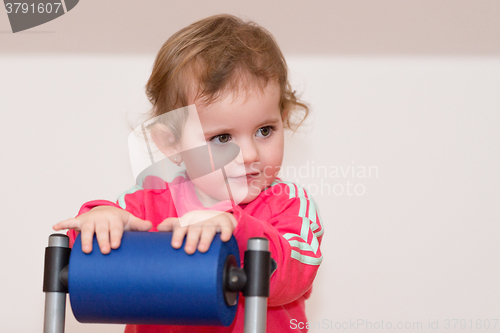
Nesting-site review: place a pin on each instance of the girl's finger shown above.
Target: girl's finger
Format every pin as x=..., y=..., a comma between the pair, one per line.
x=178, y=236
x=87, y=236
x=226, y=230
x=192, y=238
x=71, y=223
x=207, y=235
x=115, y=231
x=102, y=235
x=136, y=224
x=168, y=224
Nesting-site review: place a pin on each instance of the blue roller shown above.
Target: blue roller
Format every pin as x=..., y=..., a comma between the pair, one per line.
x=147, y=281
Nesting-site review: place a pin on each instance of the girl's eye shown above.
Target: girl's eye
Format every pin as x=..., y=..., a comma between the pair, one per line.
x=221, y=138
x=265, y=131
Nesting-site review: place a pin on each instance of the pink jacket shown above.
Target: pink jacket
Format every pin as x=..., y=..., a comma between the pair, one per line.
x=283, y=213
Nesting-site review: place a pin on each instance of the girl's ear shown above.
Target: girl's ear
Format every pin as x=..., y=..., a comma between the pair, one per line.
x=166, y=142
x=284, y=115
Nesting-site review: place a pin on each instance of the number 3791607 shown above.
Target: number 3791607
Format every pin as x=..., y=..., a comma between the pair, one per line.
x=24, y=8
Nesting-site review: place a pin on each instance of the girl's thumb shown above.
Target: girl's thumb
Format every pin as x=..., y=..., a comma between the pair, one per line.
x=136, y=224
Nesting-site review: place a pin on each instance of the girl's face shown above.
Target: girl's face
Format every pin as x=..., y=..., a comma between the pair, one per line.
x=251, y=120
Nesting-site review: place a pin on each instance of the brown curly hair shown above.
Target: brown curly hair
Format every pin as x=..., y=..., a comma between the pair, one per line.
x=215, y=55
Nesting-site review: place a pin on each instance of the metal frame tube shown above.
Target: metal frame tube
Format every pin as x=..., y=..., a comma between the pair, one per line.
x=255, y=314
x=256, y=306
x=55, y=302
x=55, y=312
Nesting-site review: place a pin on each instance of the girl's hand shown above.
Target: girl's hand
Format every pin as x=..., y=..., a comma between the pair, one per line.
x=199, y=233
x=107, y=222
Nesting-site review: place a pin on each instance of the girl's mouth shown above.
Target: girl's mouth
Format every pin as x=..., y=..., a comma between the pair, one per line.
x=247, y=178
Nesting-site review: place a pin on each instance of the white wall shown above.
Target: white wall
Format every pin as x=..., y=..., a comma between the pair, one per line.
x=418, y=242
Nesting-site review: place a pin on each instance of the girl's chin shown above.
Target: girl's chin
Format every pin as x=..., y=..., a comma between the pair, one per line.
x=253, y=192
x=241, y=192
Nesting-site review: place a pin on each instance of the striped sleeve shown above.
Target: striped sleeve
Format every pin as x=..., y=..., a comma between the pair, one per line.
x=305, y=244
x=288, y=217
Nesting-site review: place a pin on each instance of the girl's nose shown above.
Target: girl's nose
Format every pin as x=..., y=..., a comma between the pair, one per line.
x=249, y=153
